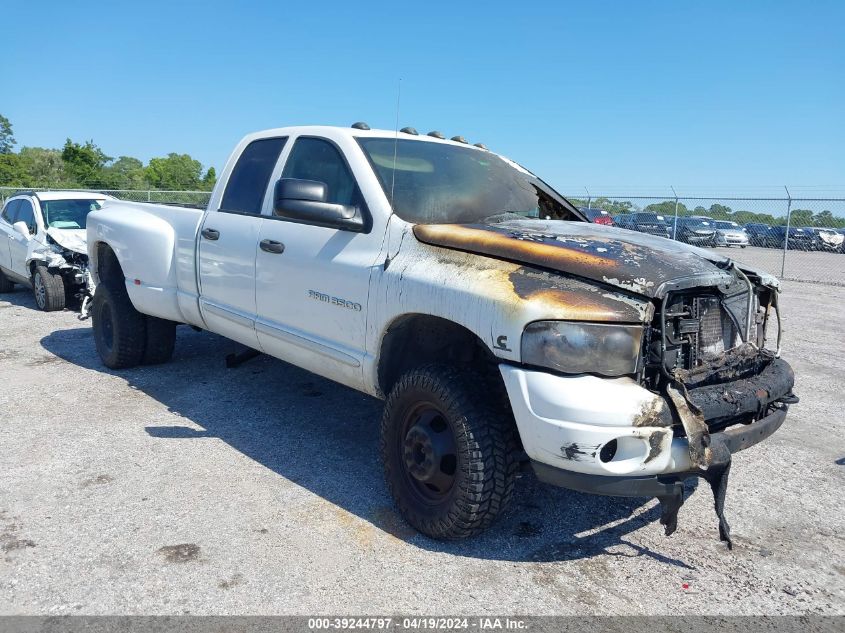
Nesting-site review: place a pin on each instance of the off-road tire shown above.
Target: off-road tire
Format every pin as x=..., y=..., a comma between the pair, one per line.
x=6, y=284
x=120, y=331
x=161, y=339
x=48, y=289
x=486, y=444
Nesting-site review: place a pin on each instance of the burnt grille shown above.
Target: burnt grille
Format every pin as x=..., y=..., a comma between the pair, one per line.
x=697, y=328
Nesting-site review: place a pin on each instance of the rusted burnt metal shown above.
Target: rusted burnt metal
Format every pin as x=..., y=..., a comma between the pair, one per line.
x=740, y=362
x=717, y=476
x=748, y=396
x=653, y=413
x=631, y=261
x=692, y=419
x=582, y=302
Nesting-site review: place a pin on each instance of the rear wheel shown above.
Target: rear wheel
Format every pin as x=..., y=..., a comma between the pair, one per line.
x=6, y=284
x=160, y=341
x=49, y=289
x=450, y=460
x=119, y=329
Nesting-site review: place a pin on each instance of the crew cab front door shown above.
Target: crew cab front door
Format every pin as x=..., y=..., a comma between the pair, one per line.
x=18, y=244
x=312, y=281
x=227, y=244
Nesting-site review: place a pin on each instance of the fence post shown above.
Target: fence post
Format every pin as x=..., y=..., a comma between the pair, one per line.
x=675, y=225
x=786, y=235
x=149, y=198
x=589, y=198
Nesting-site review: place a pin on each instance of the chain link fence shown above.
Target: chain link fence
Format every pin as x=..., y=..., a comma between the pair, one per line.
x=800, y=239
x=191, y=198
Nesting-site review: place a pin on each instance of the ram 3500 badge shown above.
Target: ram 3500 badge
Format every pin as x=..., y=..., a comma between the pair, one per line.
x=497, y=324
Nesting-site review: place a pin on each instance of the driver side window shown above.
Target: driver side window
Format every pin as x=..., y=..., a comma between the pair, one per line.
x=317, y=159
x=26, y=214
x=11, y=211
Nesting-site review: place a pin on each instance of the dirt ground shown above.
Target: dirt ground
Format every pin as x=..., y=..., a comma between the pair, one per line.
x=192, y=488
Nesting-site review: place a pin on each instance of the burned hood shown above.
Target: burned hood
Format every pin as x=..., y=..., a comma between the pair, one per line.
x=637, y=262
x=72, y=239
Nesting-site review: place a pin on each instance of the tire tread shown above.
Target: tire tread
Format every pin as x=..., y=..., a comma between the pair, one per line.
x=486, y=438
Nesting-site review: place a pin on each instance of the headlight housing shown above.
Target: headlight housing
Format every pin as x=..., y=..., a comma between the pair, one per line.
x=583, y=348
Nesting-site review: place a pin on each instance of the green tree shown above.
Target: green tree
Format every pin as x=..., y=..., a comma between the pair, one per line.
x=7, y=139
x=613, y=207
x=176, y=172
x=124, y=173
x=720, y=212
x=12, y=172
x=84, y=162
x=800, y=217
x=209, y=180
x=825, y=218
x=667, y=208
x=44, y=168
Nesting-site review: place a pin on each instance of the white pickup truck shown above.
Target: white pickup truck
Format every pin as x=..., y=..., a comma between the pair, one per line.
x=500, y=327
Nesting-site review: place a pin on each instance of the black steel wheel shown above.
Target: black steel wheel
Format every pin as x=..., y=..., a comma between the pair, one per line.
x=450, y=455
x=429, y=452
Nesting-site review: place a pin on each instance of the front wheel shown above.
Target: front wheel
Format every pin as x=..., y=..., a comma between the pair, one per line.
x=119, y=329
x=450, y=460
x=49, y=290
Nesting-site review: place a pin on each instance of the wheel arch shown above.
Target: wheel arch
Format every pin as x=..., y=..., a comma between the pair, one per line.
x=416, y=339
x=104, y=264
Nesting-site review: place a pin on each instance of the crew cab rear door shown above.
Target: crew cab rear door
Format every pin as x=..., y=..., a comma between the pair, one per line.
x=227, y=244
x=312, y=281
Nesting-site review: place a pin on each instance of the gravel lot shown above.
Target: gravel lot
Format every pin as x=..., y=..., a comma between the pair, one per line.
x=192, y=488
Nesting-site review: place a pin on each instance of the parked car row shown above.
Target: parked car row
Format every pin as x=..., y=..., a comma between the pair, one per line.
x=704, y=231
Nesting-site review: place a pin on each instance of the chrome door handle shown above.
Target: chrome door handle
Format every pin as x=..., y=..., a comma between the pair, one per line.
x=272, y=246
x=211, y=234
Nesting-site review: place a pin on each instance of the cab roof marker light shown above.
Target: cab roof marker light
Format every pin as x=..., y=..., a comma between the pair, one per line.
x=437, y=134
x=360, y=125
x=409, y=130
x=460, y=139
x=480, y=145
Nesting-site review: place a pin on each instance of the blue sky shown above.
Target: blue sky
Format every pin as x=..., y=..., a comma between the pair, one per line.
x=715, y=96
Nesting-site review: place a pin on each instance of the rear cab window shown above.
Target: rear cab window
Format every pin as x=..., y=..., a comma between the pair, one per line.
x=250, y=177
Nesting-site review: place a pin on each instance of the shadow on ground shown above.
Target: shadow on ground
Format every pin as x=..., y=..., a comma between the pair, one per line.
x=324, y=437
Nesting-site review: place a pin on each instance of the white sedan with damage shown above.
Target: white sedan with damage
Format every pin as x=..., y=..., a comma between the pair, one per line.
x=43, y=245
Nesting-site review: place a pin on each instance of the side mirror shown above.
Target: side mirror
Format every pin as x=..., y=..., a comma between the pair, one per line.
x=23, y=229
x=305, y=201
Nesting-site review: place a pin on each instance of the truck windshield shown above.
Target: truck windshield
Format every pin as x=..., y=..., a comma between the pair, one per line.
x=438, y=183
x=68, y=214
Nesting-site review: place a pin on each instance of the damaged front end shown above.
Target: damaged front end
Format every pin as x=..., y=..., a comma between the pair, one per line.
x=706, y=386
x=65, y=256
x=707, y=353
